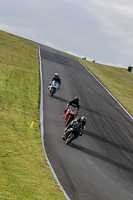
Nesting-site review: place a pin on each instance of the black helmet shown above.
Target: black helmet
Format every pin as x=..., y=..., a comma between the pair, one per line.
x=84, y=120
x=56, y=75
x=76, y=99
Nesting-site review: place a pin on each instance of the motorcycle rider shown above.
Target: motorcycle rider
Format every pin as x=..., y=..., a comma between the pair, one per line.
x=55, y=78
x=81, y=122
x=73, y=102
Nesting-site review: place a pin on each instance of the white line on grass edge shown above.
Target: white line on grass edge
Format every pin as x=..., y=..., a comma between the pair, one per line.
x=107, y=90
x=41, y=123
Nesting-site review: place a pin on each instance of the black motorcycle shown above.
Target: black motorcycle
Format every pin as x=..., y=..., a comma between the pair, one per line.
x=72, y=133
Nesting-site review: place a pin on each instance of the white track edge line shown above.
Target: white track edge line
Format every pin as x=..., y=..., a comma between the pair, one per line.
x=107, y=90
x=41, y=124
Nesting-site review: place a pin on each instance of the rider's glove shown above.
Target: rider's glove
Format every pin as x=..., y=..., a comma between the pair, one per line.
x=80, y=133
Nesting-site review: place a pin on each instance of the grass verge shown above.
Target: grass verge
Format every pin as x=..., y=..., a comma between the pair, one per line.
x=24, y=172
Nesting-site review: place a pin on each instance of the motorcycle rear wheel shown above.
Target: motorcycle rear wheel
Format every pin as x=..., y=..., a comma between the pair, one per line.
x=69, y=119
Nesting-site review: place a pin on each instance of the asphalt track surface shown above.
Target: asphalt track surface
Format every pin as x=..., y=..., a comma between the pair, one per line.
x=98, y=165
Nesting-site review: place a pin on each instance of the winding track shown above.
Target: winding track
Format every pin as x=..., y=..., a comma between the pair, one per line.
x=98, y=165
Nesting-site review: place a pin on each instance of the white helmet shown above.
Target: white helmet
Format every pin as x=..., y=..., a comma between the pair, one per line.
x=56, y=75
x=84, y=120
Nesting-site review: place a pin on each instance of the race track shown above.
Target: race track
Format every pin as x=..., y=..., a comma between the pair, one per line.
x=98, y=165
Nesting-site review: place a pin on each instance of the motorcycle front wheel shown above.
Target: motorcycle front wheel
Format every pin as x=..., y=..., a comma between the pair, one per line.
x=70, y=138
x=52, y=91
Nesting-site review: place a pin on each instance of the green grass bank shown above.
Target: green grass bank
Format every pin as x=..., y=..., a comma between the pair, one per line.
x=24, y=172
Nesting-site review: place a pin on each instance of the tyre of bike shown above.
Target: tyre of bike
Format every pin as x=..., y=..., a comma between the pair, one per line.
x=69, y=119
x=70, y=138
x=52, y=91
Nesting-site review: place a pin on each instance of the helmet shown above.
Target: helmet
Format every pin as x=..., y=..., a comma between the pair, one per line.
x=56, y=75
x=76, y=99
x=84, y=120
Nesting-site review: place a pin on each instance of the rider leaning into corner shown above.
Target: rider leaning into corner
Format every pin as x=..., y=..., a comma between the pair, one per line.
x=80, y=121
x=56, y=78
x=73, y=102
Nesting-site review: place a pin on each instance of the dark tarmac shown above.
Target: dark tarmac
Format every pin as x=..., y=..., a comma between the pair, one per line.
x=98, y=165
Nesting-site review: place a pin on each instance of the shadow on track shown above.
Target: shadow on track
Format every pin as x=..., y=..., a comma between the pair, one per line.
x=91, y=111
x=61, y=99
x=99, y=156
x=102, y=139
x=99, y=114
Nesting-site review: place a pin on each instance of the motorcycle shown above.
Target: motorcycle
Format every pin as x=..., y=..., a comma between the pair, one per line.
x=72, y=133
x=70, y=114
x=53, y=87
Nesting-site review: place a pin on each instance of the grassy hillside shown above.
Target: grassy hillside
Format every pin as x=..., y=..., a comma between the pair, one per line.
x=24, y=173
